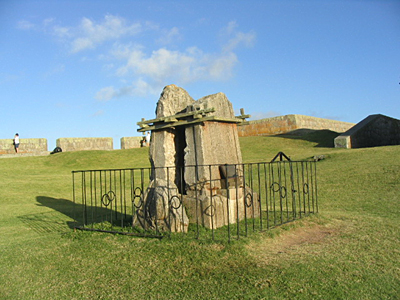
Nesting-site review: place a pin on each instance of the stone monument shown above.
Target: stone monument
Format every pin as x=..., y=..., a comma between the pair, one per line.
x=197, y=171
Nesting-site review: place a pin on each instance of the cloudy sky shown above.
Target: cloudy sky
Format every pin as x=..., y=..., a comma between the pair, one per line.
x=95, y=68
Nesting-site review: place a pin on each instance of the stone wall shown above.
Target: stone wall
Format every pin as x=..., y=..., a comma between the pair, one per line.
x=25, y=146
x=79, y=144
x=131, y=142
x=287, y=123
x=375, y=130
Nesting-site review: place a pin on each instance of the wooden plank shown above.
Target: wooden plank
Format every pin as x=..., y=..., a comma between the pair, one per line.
x=177, y=116
x=164, y=125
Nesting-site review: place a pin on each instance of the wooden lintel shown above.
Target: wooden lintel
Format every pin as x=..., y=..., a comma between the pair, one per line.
x=164, y=125
x=177, y=116
x=170, y=120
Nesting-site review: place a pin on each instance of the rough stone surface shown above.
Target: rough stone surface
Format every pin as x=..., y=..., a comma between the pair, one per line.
x=165, y=144
x=172, y=101
x=221, y=104
x=188, y=159
x=131, y=142
x=288, y=123
x=79, y=144
x=33, y=146
x=163, y=209
x=214, y=211
x=375, y=130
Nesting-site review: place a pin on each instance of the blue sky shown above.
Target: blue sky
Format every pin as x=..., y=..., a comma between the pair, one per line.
x=95, y=68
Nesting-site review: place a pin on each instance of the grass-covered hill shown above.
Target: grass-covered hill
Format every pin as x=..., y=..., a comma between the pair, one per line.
x=350, y=250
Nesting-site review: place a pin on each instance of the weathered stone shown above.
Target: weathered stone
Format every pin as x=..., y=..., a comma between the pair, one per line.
x=79, y=144
x=162, y=208
x=219, y=101
x=166, y=148
x=186, y=161
x=131, y=142
x=211, y=143
x=214, y=211
x=172, y=101
x=375, y=130
x=290, y=123
x=34, y=146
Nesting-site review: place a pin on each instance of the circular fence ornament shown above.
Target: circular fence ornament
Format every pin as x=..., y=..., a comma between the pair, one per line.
x=175, y=204
x=108, y=198
x=137, y=203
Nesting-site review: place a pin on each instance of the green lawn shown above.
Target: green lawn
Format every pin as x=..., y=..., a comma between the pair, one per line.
x=350, y=250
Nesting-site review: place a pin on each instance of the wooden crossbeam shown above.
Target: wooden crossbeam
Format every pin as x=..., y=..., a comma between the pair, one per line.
x=197, y=116
x=160, y=126
x=175, y=118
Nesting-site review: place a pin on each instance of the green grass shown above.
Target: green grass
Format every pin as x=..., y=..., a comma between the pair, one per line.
x=350, y=250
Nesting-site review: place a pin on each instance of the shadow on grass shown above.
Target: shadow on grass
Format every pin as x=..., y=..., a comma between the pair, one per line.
x=323, y=138
x=65, y=215
x=60, y=219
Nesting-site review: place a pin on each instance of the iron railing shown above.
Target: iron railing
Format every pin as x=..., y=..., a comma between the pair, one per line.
x=227, y=201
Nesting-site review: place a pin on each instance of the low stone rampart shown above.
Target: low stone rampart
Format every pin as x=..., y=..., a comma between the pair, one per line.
x=131, y=142
x=287, y=123
x=374, y=130
x=79, y=144
x=25, y=146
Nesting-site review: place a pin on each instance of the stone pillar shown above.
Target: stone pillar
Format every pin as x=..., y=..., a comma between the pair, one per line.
x=211, y=143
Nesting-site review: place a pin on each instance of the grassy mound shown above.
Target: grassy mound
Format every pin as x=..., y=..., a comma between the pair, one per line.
x=348, y=251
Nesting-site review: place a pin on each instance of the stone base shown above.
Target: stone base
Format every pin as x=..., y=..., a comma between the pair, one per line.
x=162, y=209
x=220, y=209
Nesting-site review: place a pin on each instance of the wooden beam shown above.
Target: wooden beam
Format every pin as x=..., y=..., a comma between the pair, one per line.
x=177, y=116
x=164, y=125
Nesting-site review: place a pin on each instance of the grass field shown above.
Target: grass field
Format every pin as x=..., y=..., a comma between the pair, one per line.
x=350, y=250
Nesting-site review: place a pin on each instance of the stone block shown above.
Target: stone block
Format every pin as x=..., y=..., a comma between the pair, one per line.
x=375, y=130
x=162, y=208
x=34, y=146
x=80, y=144
x=220, y=210
x=131, y=142
x=288, y=123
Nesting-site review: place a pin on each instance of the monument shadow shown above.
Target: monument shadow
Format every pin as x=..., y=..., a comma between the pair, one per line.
x=323, y=138
x=79, y=213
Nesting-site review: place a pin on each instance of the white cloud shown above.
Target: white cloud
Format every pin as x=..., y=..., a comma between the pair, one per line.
x=98, y=113
x=90, y=34
x=142, y=71
x=236, y=38
x=169, y=36
x=137, y=88
x=163, y=65
x=106, y=93
x=25, y=25
x=230, y=28
x=184, y=66
x=58, y=69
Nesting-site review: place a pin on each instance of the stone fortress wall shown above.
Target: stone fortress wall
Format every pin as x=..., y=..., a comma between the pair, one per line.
x=38, y=146
x=25, y=146
x=288, y=123
x=78, y=144
x=268, y=126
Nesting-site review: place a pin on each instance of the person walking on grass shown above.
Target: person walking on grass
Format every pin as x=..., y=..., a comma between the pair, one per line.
x=16, y=143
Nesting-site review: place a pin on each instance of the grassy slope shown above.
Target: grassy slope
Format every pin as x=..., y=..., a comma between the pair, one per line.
x=349, y=251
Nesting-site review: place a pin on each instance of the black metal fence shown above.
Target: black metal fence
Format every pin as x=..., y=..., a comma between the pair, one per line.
x=212, y=202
